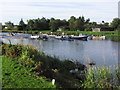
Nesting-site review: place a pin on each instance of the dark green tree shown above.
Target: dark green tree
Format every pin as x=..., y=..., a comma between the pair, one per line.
x=72, y=23
x=57, y=23
x=79, y=23
x=9, y=25
x=22, y=25
x=53, y=24
x=44, y=23
x=115, y=23
x=30, y=25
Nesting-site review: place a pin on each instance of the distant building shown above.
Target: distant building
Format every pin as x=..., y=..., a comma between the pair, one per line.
x=96, y=29
x=63, y=28
x=60, y=29
x=107, y=29
x=102, y=28
x=0, y=26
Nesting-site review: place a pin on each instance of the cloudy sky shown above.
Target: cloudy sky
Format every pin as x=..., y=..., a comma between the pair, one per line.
x=96, y=10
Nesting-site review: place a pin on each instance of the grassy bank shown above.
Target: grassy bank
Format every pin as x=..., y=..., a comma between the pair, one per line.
x=28, y=61
x=66, y=32
x=25, y=67
x=16, y=76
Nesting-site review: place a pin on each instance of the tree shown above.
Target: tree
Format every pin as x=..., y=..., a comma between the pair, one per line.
x=57, y=23
x=38, y=24
x=106, y=24
x=80, y=23
x=9, y=25
x=94, y=23
x=77, y=24
x=30, y=25
x=44, y=23
x=22, y=25
x=53, y=24
x=72, y=23
x=115, y=23
x=103, y=22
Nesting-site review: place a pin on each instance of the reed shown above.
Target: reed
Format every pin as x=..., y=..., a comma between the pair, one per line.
x=101, y=77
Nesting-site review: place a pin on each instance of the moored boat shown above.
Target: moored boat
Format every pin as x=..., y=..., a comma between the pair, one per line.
x=80, y=37
x=34, y=36
x=63, y=37
x=98, y=38
x=58, y=37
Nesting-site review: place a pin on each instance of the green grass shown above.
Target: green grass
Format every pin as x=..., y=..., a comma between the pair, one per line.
x=101, y=77
x=0, y=72
x=106, y=33
x=68, y=32
x=14, y=75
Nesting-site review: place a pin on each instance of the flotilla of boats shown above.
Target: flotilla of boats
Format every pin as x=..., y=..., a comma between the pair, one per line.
x=63, y=37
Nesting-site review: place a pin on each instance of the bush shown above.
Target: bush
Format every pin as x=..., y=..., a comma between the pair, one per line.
x=11, y=51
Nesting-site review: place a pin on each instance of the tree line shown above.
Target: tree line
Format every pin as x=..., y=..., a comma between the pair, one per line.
x=73, y=24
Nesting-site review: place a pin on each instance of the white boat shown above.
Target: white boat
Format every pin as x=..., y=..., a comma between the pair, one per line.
x=98, y=38
x=52, y=36
x=34, y=37
x=58, y=37
x=80, y=37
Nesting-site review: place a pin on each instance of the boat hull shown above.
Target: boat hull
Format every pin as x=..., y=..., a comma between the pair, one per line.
x=80, y=38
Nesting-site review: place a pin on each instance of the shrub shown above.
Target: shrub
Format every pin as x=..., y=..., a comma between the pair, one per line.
x=11, y=51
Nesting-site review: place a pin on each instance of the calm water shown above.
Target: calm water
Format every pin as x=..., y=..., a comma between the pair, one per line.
x=102, y=52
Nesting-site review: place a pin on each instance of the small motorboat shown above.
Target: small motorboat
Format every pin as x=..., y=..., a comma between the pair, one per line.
x=52, y=36
x=63, y=37
x=80, y=37
x=34, y=36
x=98, y=38
x=58, y=37
x=44, y=37
x=90, y=37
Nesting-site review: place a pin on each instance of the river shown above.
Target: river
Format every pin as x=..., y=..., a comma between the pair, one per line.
x=102, y=52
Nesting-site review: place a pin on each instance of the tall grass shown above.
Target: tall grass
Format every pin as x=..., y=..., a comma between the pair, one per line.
x=101, y=77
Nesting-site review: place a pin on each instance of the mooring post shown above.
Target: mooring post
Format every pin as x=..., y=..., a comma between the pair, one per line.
x=53, y=81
